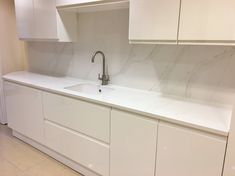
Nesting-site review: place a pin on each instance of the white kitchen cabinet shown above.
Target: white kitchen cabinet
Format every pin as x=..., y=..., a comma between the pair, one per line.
x=183, y=152
x=153, y=21
x=92, y=154
x=39, y=20
x=87, y=118
x=36, y=19
x=24, y=18
x=24, y=110
x=133, y=144
x=207, y=21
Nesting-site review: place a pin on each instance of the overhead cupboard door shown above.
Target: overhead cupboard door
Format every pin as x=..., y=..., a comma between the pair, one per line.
x=36, y=19
x=153, y=20
x=24, y=10
x=209, y=21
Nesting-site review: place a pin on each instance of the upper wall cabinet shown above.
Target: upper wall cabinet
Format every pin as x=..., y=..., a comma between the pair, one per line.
x=39, y=20
x=207, y=21
x=154, y=21
x=36, y=19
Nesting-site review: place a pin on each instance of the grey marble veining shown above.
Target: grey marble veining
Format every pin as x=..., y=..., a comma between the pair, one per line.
x=197, y=72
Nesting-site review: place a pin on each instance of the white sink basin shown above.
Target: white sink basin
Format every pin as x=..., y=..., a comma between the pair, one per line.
x=90, y=88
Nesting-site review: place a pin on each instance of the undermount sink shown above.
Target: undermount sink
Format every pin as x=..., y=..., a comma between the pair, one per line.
x=90, y=88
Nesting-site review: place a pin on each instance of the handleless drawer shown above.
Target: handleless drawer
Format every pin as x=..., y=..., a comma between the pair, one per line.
x=84, y=150
x=87, y=118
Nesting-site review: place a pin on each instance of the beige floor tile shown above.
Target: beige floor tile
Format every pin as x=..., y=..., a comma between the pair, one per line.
x=18, y=153
x=7, y=169
x=50, y=168
x=20, y=159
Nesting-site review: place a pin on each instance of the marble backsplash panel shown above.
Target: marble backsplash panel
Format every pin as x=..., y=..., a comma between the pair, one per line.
x=197, y=72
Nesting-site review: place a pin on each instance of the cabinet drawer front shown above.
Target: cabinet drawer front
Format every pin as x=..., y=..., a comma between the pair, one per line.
x=81, y=149
x=87, y=118
x=185, y=152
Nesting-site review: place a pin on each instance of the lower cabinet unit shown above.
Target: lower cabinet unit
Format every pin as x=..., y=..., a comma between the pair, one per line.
x=24, y=110
x=92, y=154
x=186, y=152
x=133, y=144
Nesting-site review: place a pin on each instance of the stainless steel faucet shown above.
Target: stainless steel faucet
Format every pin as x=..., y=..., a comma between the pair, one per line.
x=104, y=78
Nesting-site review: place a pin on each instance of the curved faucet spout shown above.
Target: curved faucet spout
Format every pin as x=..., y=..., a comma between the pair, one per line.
x=104, y=78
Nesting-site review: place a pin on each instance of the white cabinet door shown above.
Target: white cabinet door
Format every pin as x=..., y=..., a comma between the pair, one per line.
x=45, y=19
x=184, y=152
x=153, y=20
x=89, y=153
x=87, y=118
x=133, y=145
x=207, y=20
x=25, y=18
x=24, y=110
x=36, y=19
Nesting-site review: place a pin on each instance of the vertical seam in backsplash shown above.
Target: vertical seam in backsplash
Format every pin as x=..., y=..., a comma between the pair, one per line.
x=178, y=29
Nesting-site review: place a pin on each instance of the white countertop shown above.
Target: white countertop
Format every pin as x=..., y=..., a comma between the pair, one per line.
x=214, y=119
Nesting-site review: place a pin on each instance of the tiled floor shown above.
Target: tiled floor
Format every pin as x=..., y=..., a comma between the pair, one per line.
x=20, y=159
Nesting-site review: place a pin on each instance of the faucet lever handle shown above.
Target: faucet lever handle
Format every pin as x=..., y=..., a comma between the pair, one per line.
x=99, y=77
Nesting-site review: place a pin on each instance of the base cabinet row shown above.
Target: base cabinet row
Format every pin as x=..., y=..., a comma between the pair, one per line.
x=134, y=145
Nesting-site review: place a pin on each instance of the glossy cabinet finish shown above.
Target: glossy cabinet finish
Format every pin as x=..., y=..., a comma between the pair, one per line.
x=75, y=2
x=153, y=20
x=182, y=151
x=111, y=142
x=207, y=21
x=133, y=144
x=45, y=19
x=87, y=118
x=24, y=110
x=25, y=19
x=87, y=152
x=36, y=19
